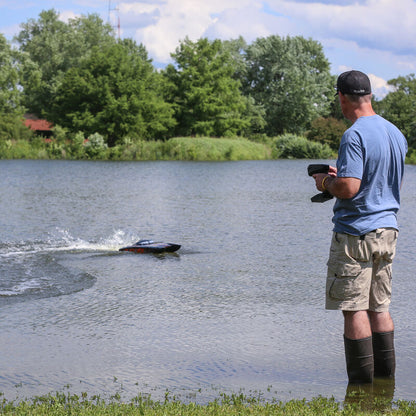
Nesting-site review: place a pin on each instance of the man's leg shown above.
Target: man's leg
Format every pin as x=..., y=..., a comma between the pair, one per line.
x=383, y=344
x=381, y=321
x=356, y=324
x=358, y=347
x=380, y=295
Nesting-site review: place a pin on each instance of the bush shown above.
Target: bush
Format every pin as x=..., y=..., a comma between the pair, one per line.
x=75, y=147
x=95, y=147
x=12, y=127
x=60, y=134
x=327, y=131
x=291, y=146
x=18, y=149
x=411, y=157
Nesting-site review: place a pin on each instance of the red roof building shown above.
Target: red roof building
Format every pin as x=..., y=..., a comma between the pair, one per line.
x=41, y=127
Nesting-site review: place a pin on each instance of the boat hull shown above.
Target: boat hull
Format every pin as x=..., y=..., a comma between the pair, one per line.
x=151, y=247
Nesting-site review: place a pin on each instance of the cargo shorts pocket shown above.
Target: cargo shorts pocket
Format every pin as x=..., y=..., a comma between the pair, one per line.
x=389, y=244
x=343, y=281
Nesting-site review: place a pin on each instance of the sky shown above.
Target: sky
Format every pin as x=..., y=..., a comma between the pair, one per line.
x=377, y=37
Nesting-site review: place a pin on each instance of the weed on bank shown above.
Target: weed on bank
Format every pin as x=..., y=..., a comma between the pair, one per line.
x=67, y=404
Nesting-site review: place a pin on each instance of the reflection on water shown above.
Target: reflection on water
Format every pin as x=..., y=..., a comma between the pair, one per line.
x=239, y=307
x=377, y=396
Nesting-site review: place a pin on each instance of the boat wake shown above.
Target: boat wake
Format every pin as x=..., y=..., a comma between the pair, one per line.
x=45, y=268
x=61, y=241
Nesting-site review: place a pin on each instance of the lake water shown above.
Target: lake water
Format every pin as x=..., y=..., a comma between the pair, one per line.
x=240, y=307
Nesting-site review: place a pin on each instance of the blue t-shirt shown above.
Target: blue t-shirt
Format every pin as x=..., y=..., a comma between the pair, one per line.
x=372, y=150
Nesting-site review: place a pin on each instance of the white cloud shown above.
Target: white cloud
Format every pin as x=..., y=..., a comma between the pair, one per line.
x=379, y=86
x=171, y=21
x=65, y=16
x=234, y=22
x=138, y=15
x=379, y=24
x=175, y=20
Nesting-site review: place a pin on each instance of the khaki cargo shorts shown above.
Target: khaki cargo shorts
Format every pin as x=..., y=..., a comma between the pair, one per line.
x=360, y=271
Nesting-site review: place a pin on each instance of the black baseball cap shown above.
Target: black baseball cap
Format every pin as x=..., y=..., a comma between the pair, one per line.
x=353, y=83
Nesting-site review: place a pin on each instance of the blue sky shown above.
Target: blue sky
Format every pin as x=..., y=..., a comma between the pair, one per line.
x=375, y=36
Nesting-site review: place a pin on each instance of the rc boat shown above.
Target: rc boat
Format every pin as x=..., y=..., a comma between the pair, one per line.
x=149, y=246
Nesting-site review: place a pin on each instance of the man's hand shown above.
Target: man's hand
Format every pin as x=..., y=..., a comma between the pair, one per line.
x=343, y=188
x=318, y=170
x=319, y=178
x=332, y=171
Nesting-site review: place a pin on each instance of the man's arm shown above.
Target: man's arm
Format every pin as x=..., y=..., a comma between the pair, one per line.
x=343, y=188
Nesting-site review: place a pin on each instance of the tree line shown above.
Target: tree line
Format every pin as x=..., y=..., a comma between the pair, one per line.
x=85, y=81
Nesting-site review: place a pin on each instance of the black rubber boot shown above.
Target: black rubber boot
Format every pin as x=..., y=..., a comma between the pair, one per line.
x=384, y=355
x=359, y=358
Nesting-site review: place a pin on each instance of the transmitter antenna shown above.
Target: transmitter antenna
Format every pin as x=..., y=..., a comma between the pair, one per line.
x=111, y=11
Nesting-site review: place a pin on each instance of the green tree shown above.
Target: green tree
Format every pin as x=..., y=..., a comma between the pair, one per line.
x=399, y=106
x=290, y=77
x=237, y=49
x=254, y=112
x=11, y=108
x=53, y=48
x=115, y=92
x=207, y=100
x=10, y=96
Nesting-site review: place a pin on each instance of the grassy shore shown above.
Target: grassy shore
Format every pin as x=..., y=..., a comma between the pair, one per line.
x=178, y=148
x=67, y=404
x=286, y=146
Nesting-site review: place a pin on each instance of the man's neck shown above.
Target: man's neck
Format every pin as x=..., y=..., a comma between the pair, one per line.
x=362, y=111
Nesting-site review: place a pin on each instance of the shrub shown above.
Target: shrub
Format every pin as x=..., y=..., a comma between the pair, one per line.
x=76, y=146
x=95, y=147
x=12, y=127
x=18, y=149
x=60, y=134
x=291, y=146
x=411, y=157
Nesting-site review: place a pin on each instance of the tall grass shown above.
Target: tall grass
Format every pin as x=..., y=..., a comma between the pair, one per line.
x=67, y=404
x=192, y=148
x=209, y=149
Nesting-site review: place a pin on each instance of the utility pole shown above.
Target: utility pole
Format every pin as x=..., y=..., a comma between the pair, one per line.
x=114, y=10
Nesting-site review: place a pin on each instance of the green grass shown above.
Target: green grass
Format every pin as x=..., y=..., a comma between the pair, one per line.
x=233, y=405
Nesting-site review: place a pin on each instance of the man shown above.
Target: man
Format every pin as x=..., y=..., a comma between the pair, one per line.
x=366, y=183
